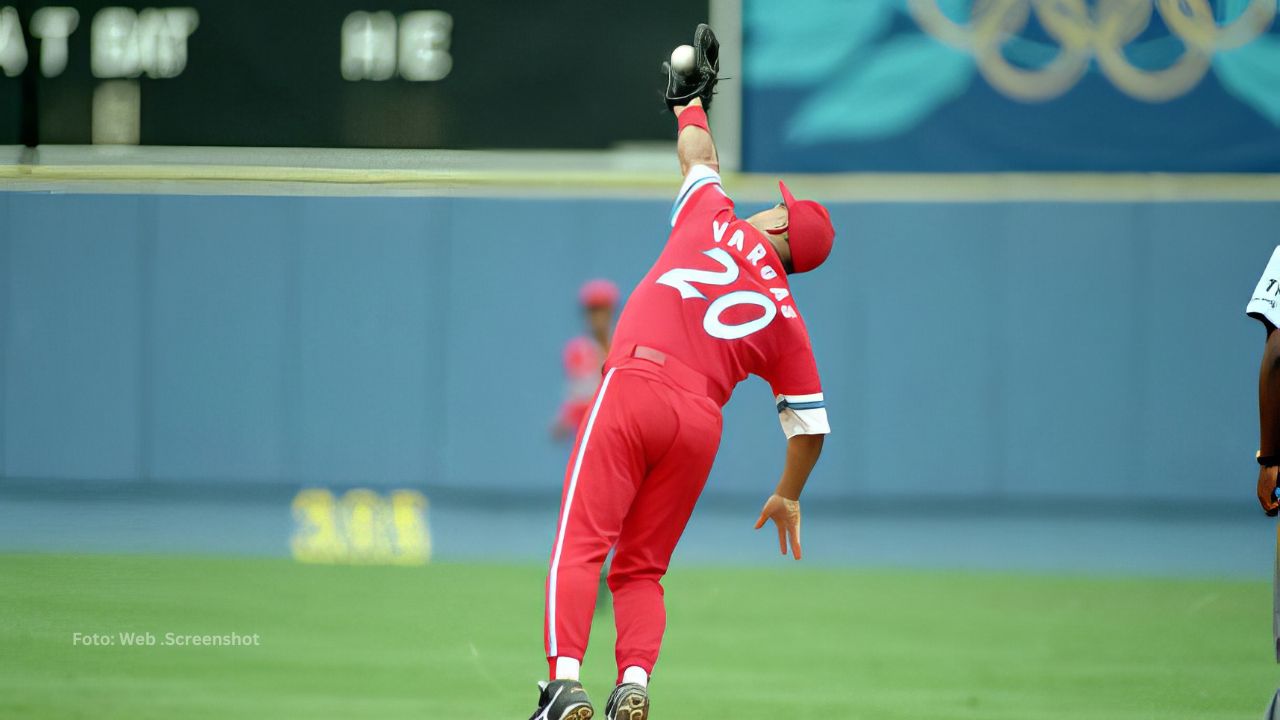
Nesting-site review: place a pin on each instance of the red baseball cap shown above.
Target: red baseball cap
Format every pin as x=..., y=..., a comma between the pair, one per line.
x=809, y=231
x=598, y=293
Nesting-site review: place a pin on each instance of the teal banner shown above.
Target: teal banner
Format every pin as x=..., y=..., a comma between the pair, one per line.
x=1011, y=85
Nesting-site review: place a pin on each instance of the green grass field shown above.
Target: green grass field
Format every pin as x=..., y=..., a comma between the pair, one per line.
x=464, y=641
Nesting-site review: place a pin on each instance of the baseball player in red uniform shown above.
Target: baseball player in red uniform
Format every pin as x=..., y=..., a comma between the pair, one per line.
x=584, y=355
x=715, y=307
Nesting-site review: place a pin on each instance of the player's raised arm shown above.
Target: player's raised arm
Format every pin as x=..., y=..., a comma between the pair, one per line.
x=694, y=145
x=692, y=75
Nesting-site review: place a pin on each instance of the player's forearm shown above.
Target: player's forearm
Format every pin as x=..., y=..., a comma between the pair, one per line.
x=1269, y=396
x=802, y=455
x=694, y=145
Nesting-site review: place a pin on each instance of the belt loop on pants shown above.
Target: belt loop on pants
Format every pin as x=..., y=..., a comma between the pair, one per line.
x=683, y=375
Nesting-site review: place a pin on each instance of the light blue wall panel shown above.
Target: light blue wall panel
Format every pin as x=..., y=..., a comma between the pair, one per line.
x=224, y=317
x=1070, y=375
x=919, y=320
x=373, y=312
x=72, y=327
x=6, y=228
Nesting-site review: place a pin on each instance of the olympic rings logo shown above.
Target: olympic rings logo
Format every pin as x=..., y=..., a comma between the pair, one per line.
x=1083, y=33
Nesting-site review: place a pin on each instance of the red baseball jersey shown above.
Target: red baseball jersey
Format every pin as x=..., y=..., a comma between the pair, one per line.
x=718, y=300
x=583, y=360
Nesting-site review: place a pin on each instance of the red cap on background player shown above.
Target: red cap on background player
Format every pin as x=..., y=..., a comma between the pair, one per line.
x=598, y=293
x=809, y=231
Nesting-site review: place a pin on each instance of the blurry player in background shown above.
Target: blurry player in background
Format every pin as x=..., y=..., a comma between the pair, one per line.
x=1263, y=307
x=583, y=367
x=715, y=307
x=584, y=355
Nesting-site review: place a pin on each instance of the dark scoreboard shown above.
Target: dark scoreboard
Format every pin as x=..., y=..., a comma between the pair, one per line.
x=334, y=73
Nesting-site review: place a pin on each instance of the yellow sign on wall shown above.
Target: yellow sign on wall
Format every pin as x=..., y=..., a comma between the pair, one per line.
x=363, y=527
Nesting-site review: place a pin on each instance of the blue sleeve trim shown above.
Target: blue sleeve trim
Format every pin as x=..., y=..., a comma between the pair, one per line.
x=680, y=201
x=816, y=404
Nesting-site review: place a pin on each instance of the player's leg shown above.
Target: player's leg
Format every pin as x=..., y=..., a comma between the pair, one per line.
x=1273, y=709
x=1275, y=598
x=658, y=516
x=600, y=481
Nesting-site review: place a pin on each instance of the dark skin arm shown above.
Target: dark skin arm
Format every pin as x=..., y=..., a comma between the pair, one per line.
x=783, y=507
x=1269, y=419
x=802, y=455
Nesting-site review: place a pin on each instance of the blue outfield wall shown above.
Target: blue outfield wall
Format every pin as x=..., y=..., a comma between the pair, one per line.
x=1080, y=350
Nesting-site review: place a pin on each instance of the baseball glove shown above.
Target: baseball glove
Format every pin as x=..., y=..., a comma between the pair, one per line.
x=701, y=81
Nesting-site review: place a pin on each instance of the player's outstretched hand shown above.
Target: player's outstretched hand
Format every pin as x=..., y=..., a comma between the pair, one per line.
x=698, y=81
x=786, y=515
x=1267, y=489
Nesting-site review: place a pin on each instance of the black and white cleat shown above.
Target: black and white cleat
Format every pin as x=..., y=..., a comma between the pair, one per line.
x=628, y=701
x=563, y=700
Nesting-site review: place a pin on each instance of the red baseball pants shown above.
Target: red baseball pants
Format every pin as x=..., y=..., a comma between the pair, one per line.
x=639, y=464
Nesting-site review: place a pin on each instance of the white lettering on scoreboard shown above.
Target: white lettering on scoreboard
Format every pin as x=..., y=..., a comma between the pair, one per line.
x=377, y=47
x=125, y=44
x=53, y=25
x=128, y=43
x=13, y=46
